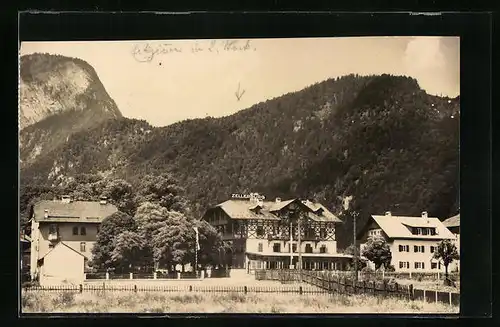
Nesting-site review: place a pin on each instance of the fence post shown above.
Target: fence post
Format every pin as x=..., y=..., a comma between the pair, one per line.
x=81, y=290
x=410, y=274
x=425, y=298
x=245, y=289
x=300, y=290
x=385, y=288
x=135, y=288
x=103, y=286
x=436, y=296
x=107, y=275
x=131, y=276
x=354, y=286
x=154, y=275
x=410, y=291
x=397, y=289
x=364, y=286
x=190, y=288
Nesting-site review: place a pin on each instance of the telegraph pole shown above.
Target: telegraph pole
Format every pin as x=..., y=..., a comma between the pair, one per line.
x=299, y=246
x=355, y=258
x=291, y=246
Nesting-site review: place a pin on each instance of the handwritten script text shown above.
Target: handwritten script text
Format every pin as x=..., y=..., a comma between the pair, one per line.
x=146, y=52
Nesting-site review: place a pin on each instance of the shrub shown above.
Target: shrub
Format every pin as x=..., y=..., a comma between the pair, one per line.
x=64, y=299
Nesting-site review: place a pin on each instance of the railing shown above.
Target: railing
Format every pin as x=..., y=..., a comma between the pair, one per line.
x=178, y=288
x=336, y=282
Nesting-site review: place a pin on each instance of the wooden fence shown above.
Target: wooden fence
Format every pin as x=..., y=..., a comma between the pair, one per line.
x=172, y=275
x=345, y=284
x=289, y=289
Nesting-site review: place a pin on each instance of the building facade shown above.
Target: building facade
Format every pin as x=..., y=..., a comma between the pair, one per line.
x=265, y=234
x=412, y=240
x=62, y=264
x=453, y=225
x=74, y=222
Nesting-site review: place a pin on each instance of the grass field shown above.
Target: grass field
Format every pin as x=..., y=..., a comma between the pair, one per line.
x=158, y=302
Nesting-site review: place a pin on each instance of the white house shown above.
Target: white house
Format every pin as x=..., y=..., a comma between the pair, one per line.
x=412, y=240
x=62, y=264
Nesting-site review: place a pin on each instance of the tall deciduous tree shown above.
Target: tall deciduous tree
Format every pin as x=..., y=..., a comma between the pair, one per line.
x=163, y=190
x=377, y=251
x=111, y=226
x=120, y=193
x=129, y=249
x=447, y=252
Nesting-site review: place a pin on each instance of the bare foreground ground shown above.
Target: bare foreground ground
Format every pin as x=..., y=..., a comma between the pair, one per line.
x=193, y=302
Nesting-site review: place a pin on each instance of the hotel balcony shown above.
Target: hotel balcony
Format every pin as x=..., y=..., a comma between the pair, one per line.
x=53, y=237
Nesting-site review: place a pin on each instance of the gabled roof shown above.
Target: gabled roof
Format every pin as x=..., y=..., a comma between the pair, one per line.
x=243, y=209
x=397, y=227
x=77, y=211
x=62, y=244
x=452, y=221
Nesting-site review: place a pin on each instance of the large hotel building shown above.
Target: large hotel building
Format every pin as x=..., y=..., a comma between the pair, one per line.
x=264, y=234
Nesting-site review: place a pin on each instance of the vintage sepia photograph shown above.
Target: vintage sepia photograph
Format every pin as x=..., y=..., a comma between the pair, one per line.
x=285, y=175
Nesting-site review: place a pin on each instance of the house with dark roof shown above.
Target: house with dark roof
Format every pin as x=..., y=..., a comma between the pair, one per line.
x=412, y=240
x=263, y=234
x=74, y=222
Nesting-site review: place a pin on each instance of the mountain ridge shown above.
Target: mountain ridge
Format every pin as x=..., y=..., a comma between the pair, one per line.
x=58, y=96
x=380, y=140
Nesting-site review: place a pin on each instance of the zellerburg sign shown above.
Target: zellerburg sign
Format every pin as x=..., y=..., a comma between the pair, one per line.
x=255, y=196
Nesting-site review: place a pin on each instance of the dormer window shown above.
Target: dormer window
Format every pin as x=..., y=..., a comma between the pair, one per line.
x=319, y=212
x=256, y=209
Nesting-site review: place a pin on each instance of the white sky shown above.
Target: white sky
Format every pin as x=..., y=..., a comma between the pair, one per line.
x=178, y=85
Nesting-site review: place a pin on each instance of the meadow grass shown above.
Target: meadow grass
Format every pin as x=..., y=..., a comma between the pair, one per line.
x=193, y=302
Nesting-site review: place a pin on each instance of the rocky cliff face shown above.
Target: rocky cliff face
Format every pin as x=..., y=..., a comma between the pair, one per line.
x=58, y=96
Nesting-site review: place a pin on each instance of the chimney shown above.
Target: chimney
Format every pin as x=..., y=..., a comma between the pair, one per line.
x=424, y=214
x=46, y=214
x=278, y=200
x=388, y=213
x=103, y=200
x=66, y=199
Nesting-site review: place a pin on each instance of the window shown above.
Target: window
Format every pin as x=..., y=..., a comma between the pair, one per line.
x=407, y=248
x=83, y=231
x=419, y=248
x=425, y=231
x=260, y=247
x=276, y=247
x=404, y=248
x=433, y=265
x=53, y=229
x=404, y=264
x=432, y=249
x=322, y=233
x=419, y=265
x=419, y=231
x=82, y=247
x=309, y=248
x=75, y=230
x=433, y=231
x=260, y=231
x=322, y=249
x=294, y=247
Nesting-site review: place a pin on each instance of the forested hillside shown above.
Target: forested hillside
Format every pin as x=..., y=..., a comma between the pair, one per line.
x=378, y=139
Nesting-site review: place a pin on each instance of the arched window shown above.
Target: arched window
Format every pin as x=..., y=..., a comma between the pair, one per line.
x=75, y=230
x=83, y=231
